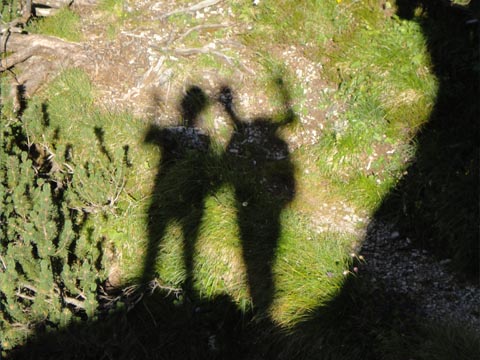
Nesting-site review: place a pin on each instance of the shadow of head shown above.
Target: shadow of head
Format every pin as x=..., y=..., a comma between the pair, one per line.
x=406, y=9
x=192, y=104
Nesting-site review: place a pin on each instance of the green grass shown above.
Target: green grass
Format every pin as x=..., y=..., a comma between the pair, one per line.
x=113, y=6
x=64, y=24
x=10, y=10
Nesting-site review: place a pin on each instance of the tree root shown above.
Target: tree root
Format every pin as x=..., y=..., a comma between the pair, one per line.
x=37, y=58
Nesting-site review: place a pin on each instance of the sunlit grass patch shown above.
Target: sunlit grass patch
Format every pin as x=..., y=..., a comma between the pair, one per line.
x=310, y=268
x=111, y=170
x=219, y=264
x=288, y=22
x=64, y=24
x=113, y=6
x=388, y=92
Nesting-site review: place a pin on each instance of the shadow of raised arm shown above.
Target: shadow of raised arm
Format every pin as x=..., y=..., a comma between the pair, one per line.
x=287, y=116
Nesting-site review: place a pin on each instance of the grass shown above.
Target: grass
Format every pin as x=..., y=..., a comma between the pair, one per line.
x=64, y=24
x=384, y=81
x=10, y=10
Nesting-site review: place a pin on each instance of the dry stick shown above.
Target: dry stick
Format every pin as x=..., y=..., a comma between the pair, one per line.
x=68, y=300
x=200, y=27
x=38, y=46
x=196, y=7
x=77, y=303
x=206, y=50
x=46, y=12
x=27, y=10
x=3, y=263
x=203, y=50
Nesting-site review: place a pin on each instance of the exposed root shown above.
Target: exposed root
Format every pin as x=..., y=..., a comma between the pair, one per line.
x=207, y=49
x=200, y=27
x=38, y=57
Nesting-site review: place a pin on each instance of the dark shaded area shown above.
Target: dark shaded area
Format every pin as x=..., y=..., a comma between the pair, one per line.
x=437, y=203
x=182, y=183
x=263, y=180
x=45, y=116
x=21, y=99
x=100, y=135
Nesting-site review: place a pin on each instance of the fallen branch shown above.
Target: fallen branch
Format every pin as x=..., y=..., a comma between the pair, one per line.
x=209, y=51
x=198, y=28
x=19, y=57
x=45, y=12
x=201, y=5
x=39, y=56
x=71, y=301
x=3, y=263
x=37, y=45
x=23, y=296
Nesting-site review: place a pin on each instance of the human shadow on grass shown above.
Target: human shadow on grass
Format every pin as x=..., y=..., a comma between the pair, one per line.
x=183, y=181
x=262, y=175
x=436, y=202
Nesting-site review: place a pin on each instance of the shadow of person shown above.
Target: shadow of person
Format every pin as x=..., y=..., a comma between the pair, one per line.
x=181, y=184
x=436, y=203
x=263, y=180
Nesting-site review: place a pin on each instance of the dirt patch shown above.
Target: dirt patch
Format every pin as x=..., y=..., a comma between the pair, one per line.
x=143, y=63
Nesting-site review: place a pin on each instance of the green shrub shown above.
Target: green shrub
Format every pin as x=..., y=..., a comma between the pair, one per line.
x=56, y=194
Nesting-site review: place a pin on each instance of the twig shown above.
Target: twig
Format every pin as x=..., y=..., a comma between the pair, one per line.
x=196, y=7
x=3, y=263
x=77, y=303
x=26, y=297
x=154, y=284
x=207, y=50
x=200, y=27
x=29, y=287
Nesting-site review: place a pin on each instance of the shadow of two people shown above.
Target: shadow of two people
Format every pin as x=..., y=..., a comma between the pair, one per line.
x=256, y=163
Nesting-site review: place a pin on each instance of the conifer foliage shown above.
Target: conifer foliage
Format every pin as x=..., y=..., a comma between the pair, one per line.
x=51, y=259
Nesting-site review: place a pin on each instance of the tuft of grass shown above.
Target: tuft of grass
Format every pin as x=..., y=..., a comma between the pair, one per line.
x=113, y=6
x=64, y=24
